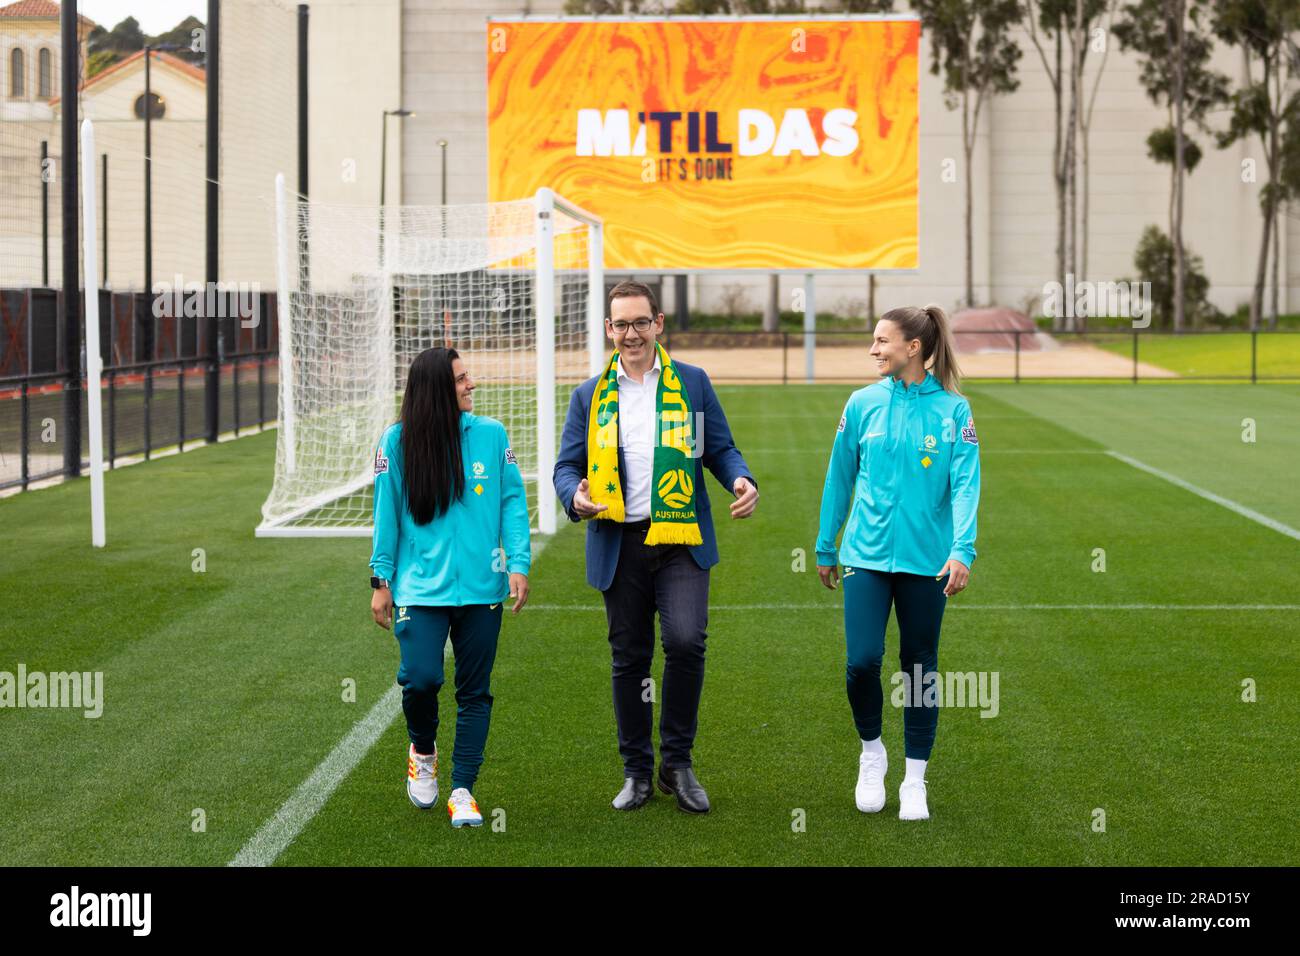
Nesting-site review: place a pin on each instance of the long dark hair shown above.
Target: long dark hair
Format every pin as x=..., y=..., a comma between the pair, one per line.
x=433, y=472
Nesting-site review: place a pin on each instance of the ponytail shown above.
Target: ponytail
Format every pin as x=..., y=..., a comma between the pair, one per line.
x=938, y=353
x=945, y=351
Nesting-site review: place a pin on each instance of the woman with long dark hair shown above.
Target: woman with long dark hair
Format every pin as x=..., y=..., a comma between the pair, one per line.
x=450, y=544
x=905, y=467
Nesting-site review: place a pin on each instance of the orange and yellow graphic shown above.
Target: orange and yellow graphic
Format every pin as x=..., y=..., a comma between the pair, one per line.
x=742, y=144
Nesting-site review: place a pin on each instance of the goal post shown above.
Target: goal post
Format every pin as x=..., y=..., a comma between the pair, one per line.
x=517, y=288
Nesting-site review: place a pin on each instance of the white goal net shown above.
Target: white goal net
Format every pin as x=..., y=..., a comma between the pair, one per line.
x=517, y=288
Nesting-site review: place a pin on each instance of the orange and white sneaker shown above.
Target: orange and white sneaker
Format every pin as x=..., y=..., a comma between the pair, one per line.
x=463, y=809
x=422, y=777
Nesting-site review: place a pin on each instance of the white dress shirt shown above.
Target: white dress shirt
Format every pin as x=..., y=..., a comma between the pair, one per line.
x=636, y=435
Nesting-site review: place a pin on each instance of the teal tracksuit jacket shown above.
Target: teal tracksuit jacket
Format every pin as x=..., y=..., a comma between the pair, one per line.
x=905, y=468
x=465, y=555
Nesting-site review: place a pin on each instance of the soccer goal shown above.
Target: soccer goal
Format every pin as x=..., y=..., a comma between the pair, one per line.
x=517, y=288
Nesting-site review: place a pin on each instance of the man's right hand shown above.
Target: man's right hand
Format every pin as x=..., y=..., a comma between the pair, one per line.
x=582, y=503
x=830, y=575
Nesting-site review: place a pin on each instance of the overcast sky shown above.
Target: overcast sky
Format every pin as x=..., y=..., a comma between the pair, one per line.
x=154, y=16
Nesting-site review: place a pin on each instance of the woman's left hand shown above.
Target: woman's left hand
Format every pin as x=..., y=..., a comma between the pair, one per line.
x=958, y=575
x=518, y=591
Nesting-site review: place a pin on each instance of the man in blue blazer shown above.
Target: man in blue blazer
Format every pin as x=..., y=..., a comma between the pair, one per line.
x=637, y=579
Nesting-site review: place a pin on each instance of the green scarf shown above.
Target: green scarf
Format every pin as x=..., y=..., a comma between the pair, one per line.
x=672, y=487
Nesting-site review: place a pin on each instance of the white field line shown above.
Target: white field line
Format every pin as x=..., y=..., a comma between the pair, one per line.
x=295, y=813
x=957, y=606
x=1228, y=503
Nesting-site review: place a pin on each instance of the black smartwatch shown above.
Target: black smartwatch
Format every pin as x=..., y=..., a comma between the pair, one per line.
x=377, y=583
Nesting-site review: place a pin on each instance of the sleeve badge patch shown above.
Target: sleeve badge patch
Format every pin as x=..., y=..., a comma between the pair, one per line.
x=381, y=463
x=843, y=422
x=510, y=457
x=968, y=433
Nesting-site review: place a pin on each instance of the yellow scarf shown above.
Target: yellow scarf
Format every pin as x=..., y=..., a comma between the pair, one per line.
x=673, y=517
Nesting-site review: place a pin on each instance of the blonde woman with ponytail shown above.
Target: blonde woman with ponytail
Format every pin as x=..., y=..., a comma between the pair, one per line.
x=906, y=458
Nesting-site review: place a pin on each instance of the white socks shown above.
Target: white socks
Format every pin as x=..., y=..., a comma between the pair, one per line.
x=915, y=768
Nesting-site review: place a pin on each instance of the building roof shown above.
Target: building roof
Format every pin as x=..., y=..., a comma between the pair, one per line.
x=160, y=56
x=38, y=10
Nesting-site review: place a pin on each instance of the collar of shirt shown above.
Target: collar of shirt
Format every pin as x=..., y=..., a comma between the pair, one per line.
x=622, y=373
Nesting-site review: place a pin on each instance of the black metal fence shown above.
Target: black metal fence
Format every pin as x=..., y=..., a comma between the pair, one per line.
x=155, y=381
x=1014, y=355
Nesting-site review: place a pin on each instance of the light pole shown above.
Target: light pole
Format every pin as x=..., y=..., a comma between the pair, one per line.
x=442, y=213
x=442, y=145
x=383, y=172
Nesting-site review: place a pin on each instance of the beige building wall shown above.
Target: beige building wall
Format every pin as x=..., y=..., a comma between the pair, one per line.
x=1014, y=222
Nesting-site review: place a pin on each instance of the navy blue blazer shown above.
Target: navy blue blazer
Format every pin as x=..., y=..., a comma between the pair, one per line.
x=604, y=537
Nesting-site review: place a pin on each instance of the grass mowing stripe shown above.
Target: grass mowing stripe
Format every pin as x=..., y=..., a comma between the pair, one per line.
x=1228, y=503
x=275, y=834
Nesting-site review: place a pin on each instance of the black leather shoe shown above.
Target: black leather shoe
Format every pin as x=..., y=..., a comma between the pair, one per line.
x=682, y=784
x=634, y=794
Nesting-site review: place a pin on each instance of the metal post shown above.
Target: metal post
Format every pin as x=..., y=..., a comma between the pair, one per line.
x=148, y=203
x=112, y=417
x=1135, y=356
x=180, y=408
x=383, y=182
x=595, y=298
x=70, y=300
x=103, y=179
x=24, y=428
x=544, y=301
x=1017, y=356
x=809, y=328
x=1253, y=377
x=212, y=248
x=288, y=421
x=303, y=141
x=94, y=353
x=45, y=214
x=148, y=410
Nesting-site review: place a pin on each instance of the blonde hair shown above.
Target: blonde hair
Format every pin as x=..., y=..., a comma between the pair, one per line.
x=930, y=325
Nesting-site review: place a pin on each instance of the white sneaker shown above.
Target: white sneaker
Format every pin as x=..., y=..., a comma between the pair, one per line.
x=870, y=792
x=463, y=810
x=911, y=801
x=422, y=778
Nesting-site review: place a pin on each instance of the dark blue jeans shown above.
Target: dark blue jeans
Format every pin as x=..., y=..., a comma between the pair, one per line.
x=422, y=635
x=650, y=578
x=918, y=603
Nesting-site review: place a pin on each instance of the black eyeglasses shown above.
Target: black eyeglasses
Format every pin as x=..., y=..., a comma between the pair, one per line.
x=641, y=325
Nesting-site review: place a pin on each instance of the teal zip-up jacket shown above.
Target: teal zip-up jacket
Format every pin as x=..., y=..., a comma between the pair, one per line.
x=906, y=462
x=465, y=555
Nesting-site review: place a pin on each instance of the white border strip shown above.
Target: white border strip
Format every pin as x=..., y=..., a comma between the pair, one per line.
x=1231, y=505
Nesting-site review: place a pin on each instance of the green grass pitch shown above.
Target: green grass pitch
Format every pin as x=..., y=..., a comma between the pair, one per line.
x=224, y=689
